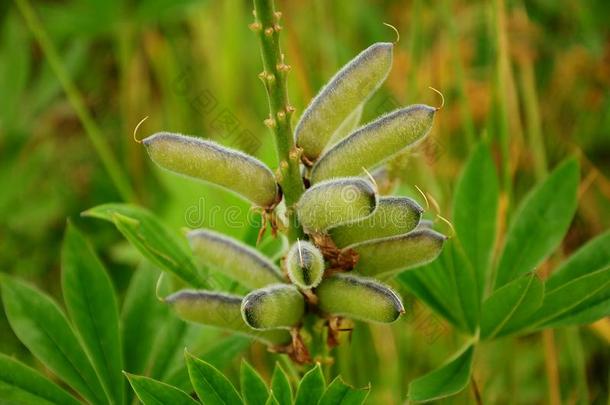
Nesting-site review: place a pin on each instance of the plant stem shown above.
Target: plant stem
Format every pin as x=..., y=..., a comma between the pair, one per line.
x=109, y=162
x=267, y=27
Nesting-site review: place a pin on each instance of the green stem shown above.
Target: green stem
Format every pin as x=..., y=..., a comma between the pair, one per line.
x=267, y=27
x=76, y=100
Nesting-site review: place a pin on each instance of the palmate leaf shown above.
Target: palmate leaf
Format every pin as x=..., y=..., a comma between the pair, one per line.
x=339, y=393
x=44, y=329
x=540, y=223
x=445, y=381
x=254, y=391
x=153, y=392
x=448, y=285
x=93, y=309
x=152, y=238
x=20, y=384
x=211, y=385
x=506, y=309
x=280, y=386
x=475, y=207
x=311, y=387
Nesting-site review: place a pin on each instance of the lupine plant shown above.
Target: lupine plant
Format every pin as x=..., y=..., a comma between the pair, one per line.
x=345, y=240
x=322, y=198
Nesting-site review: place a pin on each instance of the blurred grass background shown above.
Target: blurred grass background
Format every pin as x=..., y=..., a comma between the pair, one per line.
x=533, y=77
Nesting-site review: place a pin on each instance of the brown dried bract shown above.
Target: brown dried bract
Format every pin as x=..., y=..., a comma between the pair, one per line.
x=339, y=259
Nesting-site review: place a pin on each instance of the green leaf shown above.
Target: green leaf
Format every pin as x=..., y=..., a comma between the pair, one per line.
x=280, y=386
x=253, y=389
x=277, y=306
x=360, y=298
x=225, y=311
x=540, y=223
x=44, y=330
x=233, y=258
x=311, y=387
x=510, y=304
x=394, y=216
x=445, y=381
x=93, y=309
x=349, y=88
x=208, y=161
x=566, y=300
x=374, y=143
x=211, y=385
x=152, y=238
x=271, y=400
x=475, y=209
x=339, y=393
x=593, y=256
x=449, y=286
x=20, y=384
x=336, y=202
x=153, y=392
x=141, y=315
x=388, y=256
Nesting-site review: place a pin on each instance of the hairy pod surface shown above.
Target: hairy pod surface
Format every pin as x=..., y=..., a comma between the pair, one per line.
x=358, y=298
x=305, y=265
x=393, y=216
x=210, y=162
x=350, y=87
x=374, y=143
x=347, y=126
x=277, y=306
x=233, y=258
x=336, y=202
x=219, y=310
x=394, y=254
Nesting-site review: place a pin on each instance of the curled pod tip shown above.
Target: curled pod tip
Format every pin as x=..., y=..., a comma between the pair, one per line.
x=336, y=202
x=394, y=254
x=219, y=310
x=359, y=298
x=375, y=142
x=279, y=306
x=305, y=265
x=208, y=161
x=350, y=87
x=393, y=216
x=233, y=258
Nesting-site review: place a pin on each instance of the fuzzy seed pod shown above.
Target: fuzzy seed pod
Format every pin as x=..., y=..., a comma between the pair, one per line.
x=208, y=161
x=277, y=306
x=336, y=202
x=374, y=143
x=350, y=87
x=219, y=310
x=305, y=265
x=397, y=253
x=348, y=126
x=358, y=298
x=233, y=258
x=393, y=216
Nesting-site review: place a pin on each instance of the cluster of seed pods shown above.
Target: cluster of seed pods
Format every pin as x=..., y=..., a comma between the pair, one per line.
x=352, y=236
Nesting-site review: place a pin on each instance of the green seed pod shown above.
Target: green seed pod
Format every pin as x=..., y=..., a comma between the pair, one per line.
x=277, y=306
x=393, y=216
x=219, y=310
x=336, y=202
x=358, y=298
x=349, y=88
x=397, y=253
x=233, y=258
x=348, y=126
x=208, y=161
x=305, y=265
x=374, y=143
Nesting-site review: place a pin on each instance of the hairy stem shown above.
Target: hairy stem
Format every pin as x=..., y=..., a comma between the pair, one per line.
x=267, y=28
x=102, y=148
